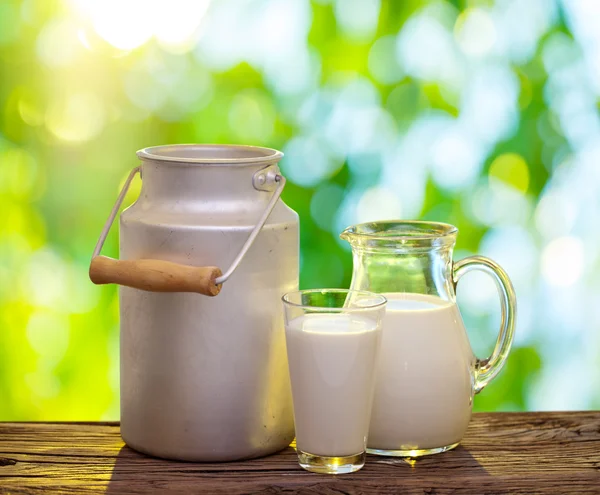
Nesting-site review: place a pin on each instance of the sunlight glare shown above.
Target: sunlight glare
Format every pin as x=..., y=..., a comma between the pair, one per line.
x=128, y=24
x=123, y=24
x=176, y=22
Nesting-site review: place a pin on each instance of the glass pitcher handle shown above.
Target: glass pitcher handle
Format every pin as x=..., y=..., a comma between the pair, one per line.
x=487, y=369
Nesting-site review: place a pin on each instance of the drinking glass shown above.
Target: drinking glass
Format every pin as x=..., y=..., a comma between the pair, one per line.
x=333, y=338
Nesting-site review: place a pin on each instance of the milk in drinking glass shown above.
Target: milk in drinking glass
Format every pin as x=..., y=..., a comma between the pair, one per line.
x=332, y=356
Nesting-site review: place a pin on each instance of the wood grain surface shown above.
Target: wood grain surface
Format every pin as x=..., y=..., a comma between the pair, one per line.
x=533, y=453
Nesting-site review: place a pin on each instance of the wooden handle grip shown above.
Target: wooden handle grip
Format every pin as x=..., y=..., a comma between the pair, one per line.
x=155, y=275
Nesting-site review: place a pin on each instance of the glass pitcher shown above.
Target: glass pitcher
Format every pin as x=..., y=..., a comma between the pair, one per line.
x=427, y=372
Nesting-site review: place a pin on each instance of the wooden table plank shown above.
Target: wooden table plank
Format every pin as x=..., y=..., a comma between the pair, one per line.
x=502, y=453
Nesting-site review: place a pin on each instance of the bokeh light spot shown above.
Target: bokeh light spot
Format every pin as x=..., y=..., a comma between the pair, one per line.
x=497, y=203
x=456, y=159
x=425, y=48
x=512, y=169
x=405, y=102
x=45, y=282
x=18, y=172
x=555, y=214
x=365, y=166
x=563, y=261
x=252, y=117
x=42, y=384
x=307, y=161
x=378, y=203
x=478, y=293
x=48, y=335
x=520, y=24
x=559, y=51
x=76, y=117
x=514, y=248
x=144, y=91
x=57, y=45
x=475, y=32
x=29, y=109
x=382, y=62
x=489, y=105
x=22, y=225
x=358, y=19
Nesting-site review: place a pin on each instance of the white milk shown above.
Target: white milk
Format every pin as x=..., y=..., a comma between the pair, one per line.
x=423, y=391
x=332, y=359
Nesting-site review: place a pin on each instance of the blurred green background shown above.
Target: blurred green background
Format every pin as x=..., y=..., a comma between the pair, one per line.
x=481, y=113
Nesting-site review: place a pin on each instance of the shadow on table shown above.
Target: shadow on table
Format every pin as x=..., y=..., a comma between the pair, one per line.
x=134, y=472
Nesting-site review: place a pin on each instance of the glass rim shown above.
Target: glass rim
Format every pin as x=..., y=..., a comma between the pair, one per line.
x=384, y=230
x=382, y=301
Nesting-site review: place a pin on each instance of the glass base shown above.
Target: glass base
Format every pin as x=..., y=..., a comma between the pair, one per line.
x=412, y=452
x=331, y=465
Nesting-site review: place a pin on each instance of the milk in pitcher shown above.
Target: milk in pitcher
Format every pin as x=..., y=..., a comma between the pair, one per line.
x=423, y=390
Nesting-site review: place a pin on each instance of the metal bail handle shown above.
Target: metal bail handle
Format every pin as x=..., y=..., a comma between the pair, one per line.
x=165, y=276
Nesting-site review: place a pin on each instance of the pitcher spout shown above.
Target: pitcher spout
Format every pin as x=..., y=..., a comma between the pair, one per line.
x=346, y=234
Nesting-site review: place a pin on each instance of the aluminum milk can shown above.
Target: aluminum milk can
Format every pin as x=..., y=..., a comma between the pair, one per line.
x=204, y=378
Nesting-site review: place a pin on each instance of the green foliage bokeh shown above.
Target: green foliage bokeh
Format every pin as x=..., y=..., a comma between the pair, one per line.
x=75, y=108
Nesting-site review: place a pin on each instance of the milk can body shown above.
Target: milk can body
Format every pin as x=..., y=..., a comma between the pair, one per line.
x=206, y=378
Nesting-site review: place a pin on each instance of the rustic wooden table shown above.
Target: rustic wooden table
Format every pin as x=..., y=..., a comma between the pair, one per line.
x=501, y=453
